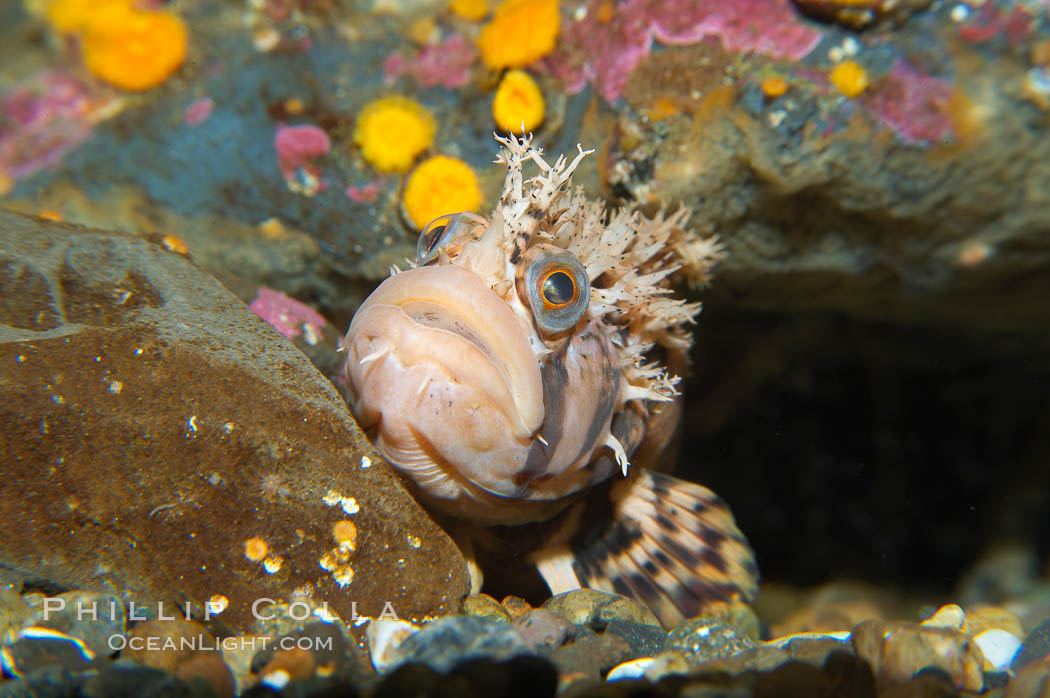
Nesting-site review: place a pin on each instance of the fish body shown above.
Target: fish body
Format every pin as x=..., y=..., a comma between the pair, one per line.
x=514, y=373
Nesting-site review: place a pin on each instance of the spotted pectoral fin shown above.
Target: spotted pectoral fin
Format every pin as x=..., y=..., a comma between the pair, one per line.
x=671, y=544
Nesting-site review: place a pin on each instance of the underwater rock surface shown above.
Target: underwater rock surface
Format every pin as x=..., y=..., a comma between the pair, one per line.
x=163, y=443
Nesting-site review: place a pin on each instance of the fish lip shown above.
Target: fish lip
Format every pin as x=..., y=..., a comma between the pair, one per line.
x=483, y=318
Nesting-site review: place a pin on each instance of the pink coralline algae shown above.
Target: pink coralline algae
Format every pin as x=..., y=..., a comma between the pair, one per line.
x=447, y=63
x=364, y=194
x=287, y=315
x=610, y=41
x=199, y=111
x=988, y=22
x=41, y=121
x=913, y=104
x=296, y=148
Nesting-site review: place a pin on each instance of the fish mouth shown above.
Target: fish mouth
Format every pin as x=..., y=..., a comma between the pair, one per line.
x=441, y=371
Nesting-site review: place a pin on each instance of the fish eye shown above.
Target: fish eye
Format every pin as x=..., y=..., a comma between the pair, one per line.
x=441, y=233
x=431, y=237
x=556, y=287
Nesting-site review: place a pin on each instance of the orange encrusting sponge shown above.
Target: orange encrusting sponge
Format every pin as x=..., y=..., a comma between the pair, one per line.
x=127, y=47
x=520, y=32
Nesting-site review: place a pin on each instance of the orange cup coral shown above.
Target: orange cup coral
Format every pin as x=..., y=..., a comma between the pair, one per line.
x=134, y=49
x=392, y=132
x=850, y=77
x=520, y=32
x=75, y=16
x=518, y=106
x=440, y=185
x=469, y=9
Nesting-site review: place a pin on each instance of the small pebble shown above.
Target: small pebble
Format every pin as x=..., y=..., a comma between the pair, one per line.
x=318, y=649
x=1002, y=573
x=544, y=630
x=524, y=676
x=515, y=606
x=36, y=647
x=237, y=653
x=165, y=644
x=51, y=681
x=898, y=650
x=645, y=640
x=993, y=617
x=408, y=680
x=97, y=619
x=668, y=663
x=211, y=669
x=999, y=648
x=1031, y=681
x=127, y=679
x=447, y=641
x=384, y=635
x=14, y=613
x=706, y=639
x=950, y=617
x=590, y=656
x=1035, y=647
x=484, y=606
x=295, y=663
x=633, y=669
x=596, y=609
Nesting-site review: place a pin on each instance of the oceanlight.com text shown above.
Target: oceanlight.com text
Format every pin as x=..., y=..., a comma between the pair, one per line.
x=201, y=642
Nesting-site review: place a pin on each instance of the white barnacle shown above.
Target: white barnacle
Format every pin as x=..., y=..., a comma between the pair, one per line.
x=349, y=505
x=343, y=575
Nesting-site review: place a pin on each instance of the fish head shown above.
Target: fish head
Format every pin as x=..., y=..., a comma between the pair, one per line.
x=492, y=372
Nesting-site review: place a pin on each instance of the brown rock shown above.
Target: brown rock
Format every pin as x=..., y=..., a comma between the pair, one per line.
x=898, y=650
x=153, y=425
x=209, y=667
x=165, y=644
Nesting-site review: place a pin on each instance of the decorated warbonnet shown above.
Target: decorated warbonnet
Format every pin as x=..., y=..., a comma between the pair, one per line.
x=517, y=376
